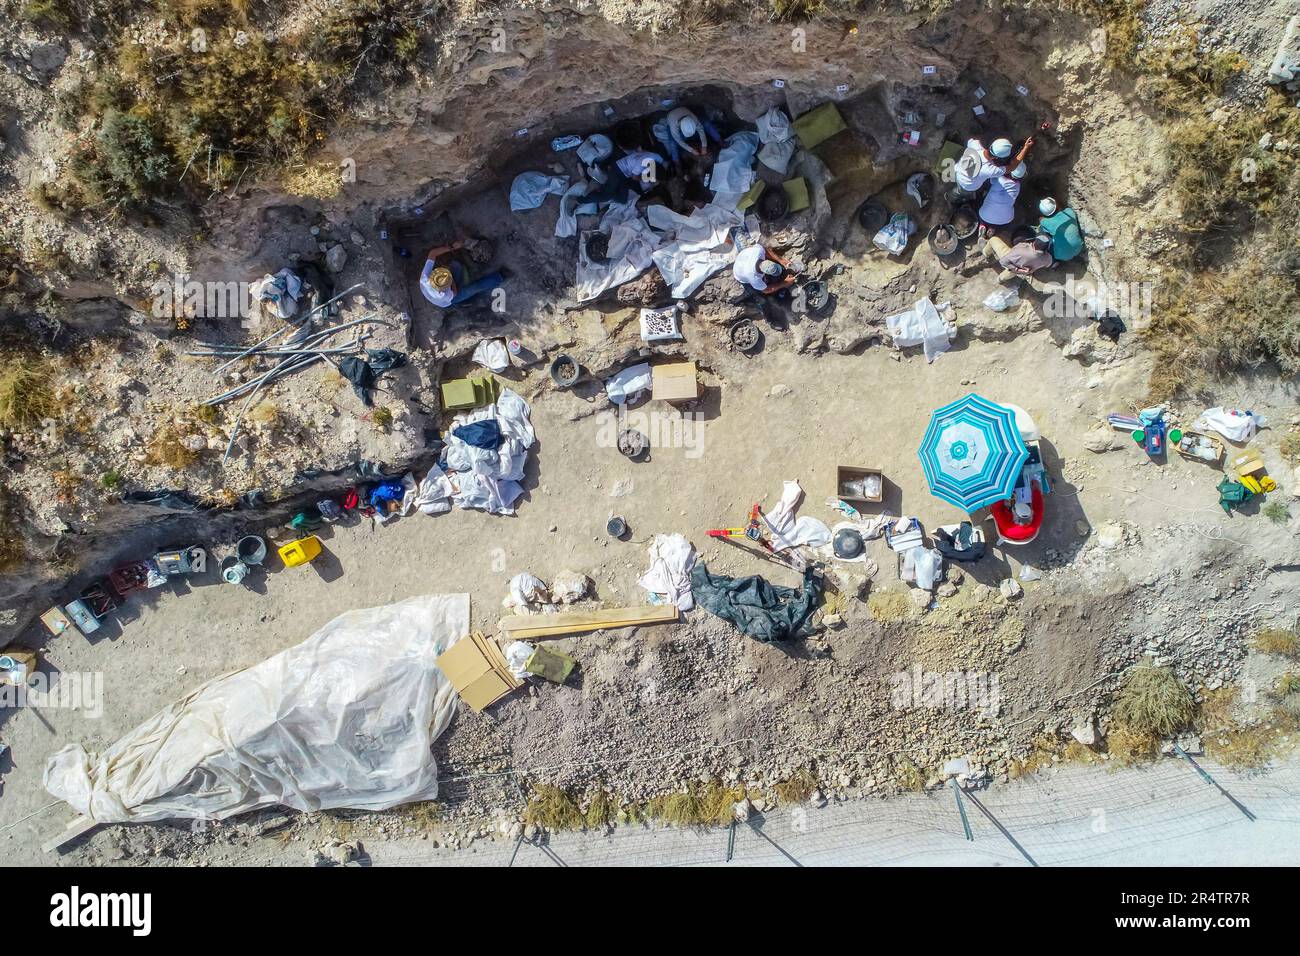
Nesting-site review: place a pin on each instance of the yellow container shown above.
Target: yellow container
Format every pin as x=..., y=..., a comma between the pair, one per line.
x=299, y=552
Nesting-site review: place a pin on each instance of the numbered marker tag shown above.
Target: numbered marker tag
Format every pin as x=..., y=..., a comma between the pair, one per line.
x=1107, y=243
x=929, y=70
x=977, y=110
x=1022, y=90
x=939, y=118
x=608, y=111
x=842, y=89
x=979, y=93
x=779, y=84
x=522, y=132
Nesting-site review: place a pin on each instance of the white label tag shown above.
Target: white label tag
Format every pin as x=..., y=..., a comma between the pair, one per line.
x=977, y=110
x=1022, y=90
x=522, y=132
x=842, y=88
x=929, y=70
x=979, y=93
x=779, y=84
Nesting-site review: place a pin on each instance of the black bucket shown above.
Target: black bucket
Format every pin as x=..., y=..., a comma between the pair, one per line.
x=565, y=371
x=872, y=216
x=965, y=221
x=773, y=204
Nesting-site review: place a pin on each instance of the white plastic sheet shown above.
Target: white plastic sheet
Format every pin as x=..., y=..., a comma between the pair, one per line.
x=789, y=531
x=669, y=574
x=529, y=190
x=777, y=135
x=1232, y=423
x=628, y=383
x=344, y=719
x=486, y=478
x=696, y=250
x=921, y=325
x=733, y=173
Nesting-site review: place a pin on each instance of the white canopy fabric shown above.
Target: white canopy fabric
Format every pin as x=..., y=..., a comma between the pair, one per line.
x=344, y=719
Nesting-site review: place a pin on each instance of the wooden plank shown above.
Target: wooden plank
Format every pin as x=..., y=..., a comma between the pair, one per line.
x=76, y=828
x=523, y=626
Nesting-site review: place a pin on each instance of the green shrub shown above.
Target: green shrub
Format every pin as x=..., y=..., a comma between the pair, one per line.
x=127, y=161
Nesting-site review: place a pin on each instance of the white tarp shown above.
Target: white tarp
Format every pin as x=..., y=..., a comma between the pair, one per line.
x=631, y=242
x=696, y=249
x=733, y=173
x=777, y=136
x=669, y=574
x=529, y=190
x=922, y=325
x=344, y=719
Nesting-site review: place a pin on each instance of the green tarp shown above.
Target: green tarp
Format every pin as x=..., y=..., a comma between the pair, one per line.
x=758, y=608
x=818, y=125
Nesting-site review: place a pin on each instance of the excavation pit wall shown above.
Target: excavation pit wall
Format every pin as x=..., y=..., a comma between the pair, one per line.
x=451, y=142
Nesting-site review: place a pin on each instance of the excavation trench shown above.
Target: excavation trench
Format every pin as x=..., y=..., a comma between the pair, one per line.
x=450, y=150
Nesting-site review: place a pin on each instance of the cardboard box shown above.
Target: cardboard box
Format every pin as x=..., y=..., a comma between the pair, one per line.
x=478, y=671
x=844, y=473
x=1246, y=462
x=674, y=382
x=56, y=622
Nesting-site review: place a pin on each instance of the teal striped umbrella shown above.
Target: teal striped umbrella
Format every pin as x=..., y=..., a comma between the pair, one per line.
x=972, y=453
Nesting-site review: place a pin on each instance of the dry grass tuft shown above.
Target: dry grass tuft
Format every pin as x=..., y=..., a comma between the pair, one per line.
x=552, y=808
x=699, y=805
x=26, y=398
x=1153, y=702
x=1275, y=640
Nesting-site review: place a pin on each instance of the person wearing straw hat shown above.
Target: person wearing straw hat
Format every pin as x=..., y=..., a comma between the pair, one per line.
x=442, y=281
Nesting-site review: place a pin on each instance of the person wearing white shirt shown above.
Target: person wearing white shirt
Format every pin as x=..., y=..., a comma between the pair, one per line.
x=762, y=271
x=979, y=165
x=999, y=206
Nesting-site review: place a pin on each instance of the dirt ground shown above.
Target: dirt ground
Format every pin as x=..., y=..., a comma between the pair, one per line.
x=656, y=707
x=1136, y=560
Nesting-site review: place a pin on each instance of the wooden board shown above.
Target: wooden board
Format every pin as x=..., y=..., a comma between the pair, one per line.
x=530, y=626
x=76, y=828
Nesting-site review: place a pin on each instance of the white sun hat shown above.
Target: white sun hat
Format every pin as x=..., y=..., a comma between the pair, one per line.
x=1020, y=172
x=1047, y=207
x=1001, y=148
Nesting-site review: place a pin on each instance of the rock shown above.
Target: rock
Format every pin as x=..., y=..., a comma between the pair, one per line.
x=1099, y=439
x=341, y=854
x=817, y=799
x=1111, y=536
x=1082, y=528
x=779, y=391
x=1011, y=589
x=336, y=258
x=742, y=809
x=920, y=598
x=947, y=589
x=1085, y=732
x=570, y=587
x=1030, y=573
x=356, y=238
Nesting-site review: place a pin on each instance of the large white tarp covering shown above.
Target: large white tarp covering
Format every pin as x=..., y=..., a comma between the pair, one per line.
x=344, y=719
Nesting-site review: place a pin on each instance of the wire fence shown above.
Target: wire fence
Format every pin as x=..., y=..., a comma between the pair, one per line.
x=1073, y=816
